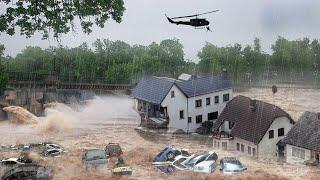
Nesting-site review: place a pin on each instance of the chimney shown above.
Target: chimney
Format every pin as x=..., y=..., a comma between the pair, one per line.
x=253, y=105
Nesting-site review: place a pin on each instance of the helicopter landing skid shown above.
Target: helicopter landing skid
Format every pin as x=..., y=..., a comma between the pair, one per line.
x=207, y=28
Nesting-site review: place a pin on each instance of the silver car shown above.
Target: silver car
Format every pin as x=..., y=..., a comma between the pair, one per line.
x=231, y=165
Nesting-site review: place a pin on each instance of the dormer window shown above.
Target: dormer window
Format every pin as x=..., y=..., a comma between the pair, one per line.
x=172, y=94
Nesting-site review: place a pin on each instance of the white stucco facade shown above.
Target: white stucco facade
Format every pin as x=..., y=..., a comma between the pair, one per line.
x=188, y=105
x=267, y=147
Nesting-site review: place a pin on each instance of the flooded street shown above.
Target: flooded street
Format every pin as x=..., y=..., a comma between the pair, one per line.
x=113, y=119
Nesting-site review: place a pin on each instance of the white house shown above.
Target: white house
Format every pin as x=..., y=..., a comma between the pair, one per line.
x=251, y=127
x=183, y=103
x=302, y=143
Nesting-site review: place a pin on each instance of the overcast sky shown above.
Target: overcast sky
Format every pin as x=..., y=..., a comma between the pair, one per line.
x=237, y=22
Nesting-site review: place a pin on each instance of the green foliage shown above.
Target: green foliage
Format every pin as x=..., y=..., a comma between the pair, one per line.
x=3, y=75
x=291, y=61
x=118, y=62
x=119, y=74
x=109, y=62
x=57, y=16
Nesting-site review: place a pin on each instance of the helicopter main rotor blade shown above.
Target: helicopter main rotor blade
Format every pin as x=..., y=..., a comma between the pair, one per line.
x=208, y=12
x=195, y=15
x=184, y=17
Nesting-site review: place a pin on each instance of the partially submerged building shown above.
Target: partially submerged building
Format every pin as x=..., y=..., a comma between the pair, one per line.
x=183, y=103
x=302, y=143
x=251, y=127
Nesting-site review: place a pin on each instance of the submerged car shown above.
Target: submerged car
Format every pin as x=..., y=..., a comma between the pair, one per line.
x=52, y=152
x=231, y=165
x=204, y=162
x=11, y=161
x=205, y=156
x=30, y=171
x=16, y=161
x=205, y=167
x=121, y=168
x=113, y=150
x=169, y=154
x=52, y=146
x=94, y=157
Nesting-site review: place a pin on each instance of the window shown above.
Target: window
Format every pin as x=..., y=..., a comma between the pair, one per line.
x=242, y=148
x=216, y=144
x=172, y=94
x=198, y=103
x=249, y=150
x=208, y=101
x=231, y=124
x=181, y=114
x=224, y=145
x=271, y=134
x=199, y=119
x=216, y=99
x=238, y=147
x=225, y=97
x=299, y=153
x=189, y=120
x=280, y=132
x=212, y=116
x=253, y=151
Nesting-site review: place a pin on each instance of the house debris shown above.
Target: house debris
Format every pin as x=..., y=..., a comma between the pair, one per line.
x=252, y=127
x=182, y=103
x=302, y=143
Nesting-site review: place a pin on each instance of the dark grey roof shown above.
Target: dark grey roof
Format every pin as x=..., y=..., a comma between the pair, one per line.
x=306, y=132
x=152, y=89
x=199, y=85
x=250, y=124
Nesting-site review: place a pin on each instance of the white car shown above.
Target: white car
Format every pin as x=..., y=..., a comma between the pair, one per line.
x=196, y=159
x=52, y=146
x=11, y=161
x=205, y=167
x=52, y=152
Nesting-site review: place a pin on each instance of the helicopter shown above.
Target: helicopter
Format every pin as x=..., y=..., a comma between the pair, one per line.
x=196, y=22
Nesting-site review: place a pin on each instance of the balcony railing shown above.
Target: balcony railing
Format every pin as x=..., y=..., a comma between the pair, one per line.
x=223, y=135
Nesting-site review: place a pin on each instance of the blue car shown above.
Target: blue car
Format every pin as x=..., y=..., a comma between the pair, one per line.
x=168, y=154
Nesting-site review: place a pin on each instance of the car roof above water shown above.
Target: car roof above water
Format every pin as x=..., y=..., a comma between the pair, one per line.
x=95, y=153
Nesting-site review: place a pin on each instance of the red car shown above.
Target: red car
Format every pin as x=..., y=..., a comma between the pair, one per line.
x=113, y=150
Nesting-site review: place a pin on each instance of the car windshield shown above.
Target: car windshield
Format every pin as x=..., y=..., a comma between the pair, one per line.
x=162, y=152
x=196, y=159
x=95, y=154
x=233, y=167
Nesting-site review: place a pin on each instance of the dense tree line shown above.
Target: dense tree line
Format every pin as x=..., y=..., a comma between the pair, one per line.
x=107, y=62
x=290, y=62
x=3, y=75
x=118, y=62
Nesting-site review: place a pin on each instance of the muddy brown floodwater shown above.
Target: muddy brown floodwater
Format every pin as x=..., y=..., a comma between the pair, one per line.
x=113, y=119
